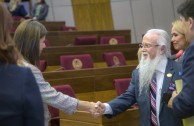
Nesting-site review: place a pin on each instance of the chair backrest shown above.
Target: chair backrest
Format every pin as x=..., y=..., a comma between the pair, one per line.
x=114, y=59
x=16, y=18
x=65, y=89
x=121, y=85
x=42, y=65
x=71, y=62
x=112, y=40
x=85, y=40
x=68, y=28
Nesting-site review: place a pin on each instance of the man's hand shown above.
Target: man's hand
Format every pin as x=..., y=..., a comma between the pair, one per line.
x=98, y=109
x=174, y=94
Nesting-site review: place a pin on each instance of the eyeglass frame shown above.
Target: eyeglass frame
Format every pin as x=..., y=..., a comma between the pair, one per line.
x=147, y=46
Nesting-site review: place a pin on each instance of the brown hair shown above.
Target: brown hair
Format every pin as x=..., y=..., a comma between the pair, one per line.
x=8, y=51
x=27, y=38
x=42, y=2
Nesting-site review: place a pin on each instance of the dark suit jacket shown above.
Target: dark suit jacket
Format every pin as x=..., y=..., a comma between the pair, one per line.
x=19, y=11
x=20, y=100
x=43, y=11
x=183, y=104
x=131, y=96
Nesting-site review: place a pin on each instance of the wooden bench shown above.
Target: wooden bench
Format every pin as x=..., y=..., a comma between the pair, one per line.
x=130, y=117
x=91, y=84
x=52, y=54
x=50, y=25
x=61, y=38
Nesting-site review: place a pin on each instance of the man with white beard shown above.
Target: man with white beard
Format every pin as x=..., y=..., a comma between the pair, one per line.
x=154, y=62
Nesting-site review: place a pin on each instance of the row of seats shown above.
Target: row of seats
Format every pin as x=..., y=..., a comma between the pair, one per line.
x=92, y=40
x=61, y=28
x=120, y=85
x=82, y=61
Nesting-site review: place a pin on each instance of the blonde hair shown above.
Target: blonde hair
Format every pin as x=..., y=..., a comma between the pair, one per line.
x=179, y=27
x=13, y=4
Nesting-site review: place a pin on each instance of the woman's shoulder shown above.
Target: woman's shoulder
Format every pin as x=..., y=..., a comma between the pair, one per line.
x=14, y=69
x=28, y=65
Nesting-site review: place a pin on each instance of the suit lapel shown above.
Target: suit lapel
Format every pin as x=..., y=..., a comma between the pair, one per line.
x=168, y=75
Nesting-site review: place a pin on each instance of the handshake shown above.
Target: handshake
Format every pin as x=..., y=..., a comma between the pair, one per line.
x=95, y=109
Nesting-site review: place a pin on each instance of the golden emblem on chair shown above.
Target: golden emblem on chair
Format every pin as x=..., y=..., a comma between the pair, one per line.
x=77, y=64
x=113, y=41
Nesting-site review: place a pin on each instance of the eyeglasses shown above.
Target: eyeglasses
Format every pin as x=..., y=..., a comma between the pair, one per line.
x=147, y=46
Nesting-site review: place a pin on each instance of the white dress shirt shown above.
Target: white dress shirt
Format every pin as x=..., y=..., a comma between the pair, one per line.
x=160, y=71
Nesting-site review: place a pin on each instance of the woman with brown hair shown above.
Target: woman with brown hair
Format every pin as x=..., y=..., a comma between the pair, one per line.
x=17, y=84
x=29, y=37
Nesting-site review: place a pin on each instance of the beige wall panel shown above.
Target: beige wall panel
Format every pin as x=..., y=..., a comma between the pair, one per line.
x=92, y=15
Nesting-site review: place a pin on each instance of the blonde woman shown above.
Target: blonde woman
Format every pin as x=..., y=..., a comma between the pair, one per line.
x=17, y=9
x=178, y=40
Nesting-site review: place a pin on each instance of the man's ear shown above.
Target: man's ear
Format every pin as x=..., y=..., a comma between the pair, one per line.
x=163, y=49
x=191, y=23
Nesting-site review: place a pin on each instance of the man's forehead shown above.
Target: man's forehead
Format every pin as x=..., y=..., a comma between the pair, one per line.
x=150, y=39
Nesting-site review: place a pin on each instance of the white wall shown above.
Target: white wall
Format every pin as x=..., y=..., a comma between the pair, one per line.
x=137, y=15
x=141, y=15
x=60, y=10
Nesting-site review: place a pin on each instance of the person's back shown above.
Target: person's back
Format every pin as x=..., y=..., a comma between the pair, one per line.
x=16, y=9
x=21, y=103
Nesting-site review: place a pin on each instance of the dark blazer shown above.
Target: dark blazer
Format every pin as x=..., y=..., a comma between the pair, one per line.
x=19, y=11
x=131, y=96
x=20, y=100
x=43, y=11
x=183, y=104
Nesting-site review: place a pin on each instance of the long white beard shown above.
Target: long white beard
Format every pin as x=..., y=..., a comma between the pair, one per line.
x=146, y=71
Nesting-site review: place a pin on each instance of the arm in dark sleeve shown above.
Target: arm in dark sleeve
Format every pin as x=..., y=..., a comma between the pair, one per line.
x=33, y=107
x=183, y=104
x=125, y=100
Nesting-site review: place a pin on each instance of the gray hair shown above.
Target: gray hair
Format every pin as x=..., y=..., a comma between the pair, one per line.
x=163, y=39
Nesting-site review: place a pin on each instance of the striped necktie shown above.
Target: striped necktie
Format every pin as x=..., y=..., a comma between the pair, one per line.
x=153, y=90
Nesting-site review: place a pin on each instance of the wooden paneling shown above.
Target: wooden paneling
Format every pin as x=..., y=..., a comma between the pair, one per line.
x=92, y=14
x=67, y=38
x=91, y=84
x=82, y=15
x=50, y=25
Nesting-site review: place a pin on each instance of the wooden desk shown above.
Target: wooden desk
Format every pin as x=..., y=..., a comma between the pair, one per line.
x=62, y=38
x=52, y=54
x=130, y=117
x=91, y=84
x=50, y=25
